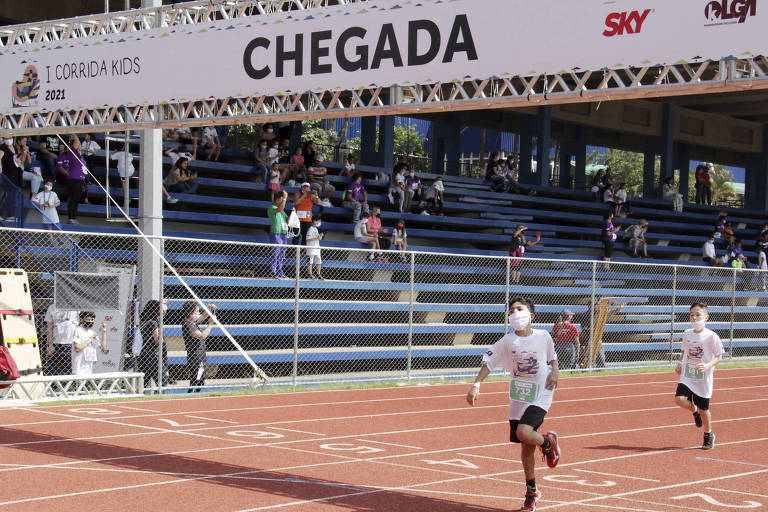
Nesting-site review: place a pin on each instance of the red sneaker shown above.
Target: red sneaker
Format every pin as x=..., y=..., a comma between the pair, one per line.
x=553, y=454
x=530, y=501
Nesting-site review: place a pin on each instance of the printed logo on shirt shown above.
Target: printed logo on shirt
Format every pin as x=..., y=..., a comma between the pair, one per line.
x=526, y=365
x=695, y=352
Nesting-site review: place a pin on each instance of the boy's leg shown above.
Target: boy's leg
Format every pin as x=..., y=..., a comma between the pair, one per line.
x=706, y=419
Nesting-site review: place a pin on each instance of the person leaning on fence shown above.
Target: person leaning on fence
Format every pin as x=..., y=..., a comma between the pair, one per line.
x=566, y=337
x=84, y=343
x=148, y=361
x=60, y=329
x=529, y=355
x=635, y=237
x=278, y=234
x=194, y=342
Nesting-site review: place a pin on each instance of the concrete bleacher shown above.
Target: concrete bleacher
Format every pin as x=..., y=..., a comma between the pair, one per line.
x=451, y=321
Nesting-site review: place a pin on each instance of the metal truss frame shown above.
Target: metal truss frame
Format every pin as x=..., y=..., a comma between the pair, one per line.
x=650, y=81
x=70, y=387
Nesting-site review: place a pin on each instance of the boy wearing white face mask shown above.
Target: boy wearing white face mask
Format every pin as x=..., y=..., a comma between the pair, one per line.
x=48, y=201
x=701, y=351
x=529, y=355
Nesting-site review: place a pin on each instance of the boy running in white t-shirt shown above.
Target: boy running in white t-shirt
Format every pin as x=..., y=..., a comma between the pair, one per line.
x=701, y=351
x=529, y=355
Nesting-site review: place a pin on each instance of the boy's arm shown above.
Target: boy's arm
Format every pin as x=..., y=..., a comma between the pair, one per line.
x=702, y=367
x=474, y=391
x=554, y=375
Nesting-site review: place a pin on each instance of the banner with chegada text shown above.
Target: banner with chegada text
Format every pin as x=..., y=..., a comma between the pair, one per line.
x=376, y=43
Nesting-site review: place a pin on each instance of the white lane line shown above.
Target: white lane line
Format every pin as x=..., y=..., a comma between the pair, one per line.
x=389, y=444
x=663, y=487
x=489, y=458
x=213, y=419
x=739, y=492
x=294, y=430
x=617, y=475
x=744, y=463
x=134, y=408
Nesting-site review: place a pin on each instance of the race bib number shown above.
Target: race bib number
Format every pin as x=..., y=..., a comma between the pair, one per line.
x=302, y=214
x=692, y=373
x=522, y=390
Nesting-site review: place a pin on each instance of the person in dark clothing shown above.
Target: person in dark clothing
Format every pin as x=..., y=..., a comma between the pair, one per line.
x=12, y=175
x=149, y=326
x=194, y=342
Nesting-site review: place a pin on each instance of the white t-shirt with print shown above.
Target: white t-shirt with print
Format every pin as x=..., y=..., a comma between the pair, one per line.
x=314, y=245
x=699, y=347
x=124, y=165
x=209, y=135
x=527, y=360
x=48, y=199
x=64, y=324
x=81, y=365
x=436, y=186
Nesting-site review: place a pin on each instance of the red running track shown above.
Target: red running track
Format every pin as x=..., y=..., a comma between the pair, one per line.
x=626, y=447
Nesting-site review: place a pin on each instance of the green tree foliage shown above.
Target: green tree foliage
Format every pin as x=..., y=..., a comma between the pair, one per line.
x=244, y=136
x=325, y=140
x=408, y=142
x=627, y=167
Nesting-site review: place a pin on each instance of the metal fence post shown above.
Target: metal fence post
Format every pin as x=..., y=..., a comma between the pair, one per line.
x=733, y=312
x=295, y=370
x=674, y=303
x=508, y=262
x=410, y=317
x=592, y=316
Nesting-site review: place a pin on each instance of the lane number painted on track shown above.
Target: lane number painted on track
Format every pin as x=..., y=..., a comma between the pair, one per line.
x=712, y=501
x=576, y=479
x=174, y=423
x=256, y=434
x=459, y=463
x=348, y=447
x=95, y=411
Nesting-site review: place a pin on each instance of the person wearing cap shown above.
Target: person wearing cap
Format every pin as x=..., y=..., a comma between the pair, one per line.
x=635, y=236
x=303, y=200
x=566, y=337
x=517, y=250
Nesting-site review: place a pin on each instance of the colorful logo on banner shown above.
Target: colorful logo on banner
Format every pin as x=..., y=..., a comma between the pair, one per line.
x=24, y=92
x=628, y=22
x=722, y=12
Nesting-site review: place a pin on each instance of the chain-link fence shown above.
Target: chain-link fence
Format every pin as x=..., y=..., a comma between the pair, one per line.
x=391, y=316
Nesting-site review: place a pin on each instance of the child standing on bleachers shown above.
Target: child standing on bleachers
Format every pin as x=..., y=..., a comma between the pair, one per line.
x=274, y=180
x=313, y=248
x=47, y=200
x=701, y=351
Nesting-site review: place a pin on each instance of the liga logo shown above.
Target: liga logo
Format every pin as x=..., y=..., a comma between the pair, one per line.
x=721, y=12
x=24, y=92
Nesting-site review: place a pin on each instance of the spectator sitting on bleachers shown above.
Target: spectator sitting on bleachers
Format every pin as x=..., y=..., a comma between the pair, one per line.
x=273, y=155
x=434, y=197
x=260, y=160
x=635, y=236
x=180, y=179
x=268, y=132
x=317, y=175
x=709, y=254
x=303, y=200
x=211, y=142
x=671, y=193
x=349, y=167
x=175, y=153
x=609, y=198
x=740, y=263
x=361, y=234
x=48, y=153
x=397, y=187
x=414, y=189
x=494, y=179
x=24, y=160
x=400, y=238
x=374, y=229
x=735, y=249
x=299, y=170
x=608, y=177
x=124, y=162
x=598, y=185
x=23, y=156
x=356, y=198
x=608, y=236
x=89, y=148
x=620, y=198
x=512, y=185
x=185, y=135
x=284, y=152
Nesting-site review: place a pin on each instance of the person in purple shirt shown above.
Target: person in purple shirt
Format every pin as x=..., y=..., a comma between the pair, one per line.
x=356, y=198
x=414, y=189
x=70, y=165
x=609, y=236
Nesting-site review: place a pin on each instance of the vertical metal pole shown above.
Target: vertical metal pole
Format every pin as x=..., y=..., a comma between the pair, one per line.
x=295, y=370
x=410, y=316
x=508, y=262
x=674, y=302
x=733, y=312
x=106, y=179
x=125, y=183
x=592, y=316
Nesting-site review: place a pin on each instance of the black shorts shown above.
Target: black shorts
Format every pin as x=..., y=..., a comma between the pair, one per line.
x=533, y=416
x=701, y=403
x=607, y=249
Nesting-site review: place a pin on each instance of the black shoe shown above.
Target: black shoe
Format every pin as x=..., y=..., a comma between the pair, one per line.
x=697, y=418
x=709, y=441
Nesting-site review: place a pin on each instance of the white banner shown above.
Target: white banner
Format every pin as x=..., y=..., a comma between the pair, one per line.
x=373, y=44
